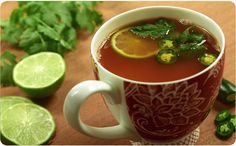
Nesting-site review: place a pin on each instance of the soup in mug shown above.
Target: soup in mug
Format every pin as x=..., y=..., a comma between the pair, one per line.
x=158, y=50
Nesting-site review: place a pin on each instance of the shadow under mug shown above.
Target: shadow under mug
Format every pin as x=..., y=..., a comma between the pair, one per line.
x=159, y=111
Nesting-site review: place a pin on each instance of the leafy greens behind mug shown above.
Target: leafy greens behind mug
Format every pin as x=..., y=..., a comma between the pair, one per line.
x=49, y=26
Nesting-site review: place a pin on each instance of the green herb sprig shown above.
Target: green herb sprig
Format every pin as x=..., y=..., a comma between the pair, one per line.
x=187, y=36
x=158, y=30
x=49, y=26
x=8, y=61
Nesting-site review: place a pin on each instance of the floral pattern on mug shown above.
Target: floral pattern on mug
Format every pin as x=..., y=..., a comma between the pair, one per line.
x=171, y=111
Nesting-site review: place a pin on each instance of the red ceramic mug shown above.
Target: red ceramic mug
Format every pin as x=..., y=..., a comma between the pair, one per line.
x=157, y=112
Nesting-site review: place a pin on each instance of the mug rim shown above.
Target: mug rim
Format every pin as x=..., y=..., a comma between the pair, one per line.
x=157, y=83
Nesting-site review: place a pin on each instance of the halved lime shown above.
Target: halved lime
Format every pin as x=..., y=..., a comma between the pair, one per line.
x=27, y=124
x=40, y=75
x=14, y=98
x=8, y=101
x=130, y=45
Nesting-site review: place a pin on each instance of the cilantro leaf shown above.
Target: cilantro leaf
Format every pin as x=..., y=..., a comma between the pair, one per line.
x=11, y=34
x=69, y=38
x=36, y=48
x=50, y=19
x=29, y=37
x=190, y=50
x=7, y=63
x=11, y=30
x=186, y=36
x=87, y=17
x=60, y=11
x=190, y=43
x=48, y=31
x=158, y=30
x=15, y=16
x=190, y=47
x=90, y=4
x=49, y=26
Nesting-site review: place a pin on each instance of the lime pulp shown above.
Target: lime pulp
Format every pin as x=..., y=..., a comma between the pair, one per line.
x=40, y=75
x=27, y=124
x=8, y=101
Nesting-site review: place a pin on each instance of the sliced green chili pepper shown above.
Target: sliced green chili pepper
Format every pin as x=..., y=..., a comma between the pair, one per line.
x=227, y=92
x=222, y=116
x=166, y=56
x=233, y=121
x=225, y=130
x=166, y=44
x=207, y=59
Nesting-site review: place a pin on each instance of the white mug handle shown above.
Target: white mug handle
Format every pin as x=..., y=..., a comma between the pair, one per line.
x=75, y=99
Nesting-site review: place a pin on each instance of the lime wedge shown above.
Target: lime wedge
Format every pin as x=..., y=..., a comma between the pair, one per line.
x=40, y=75
x=27, y=124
